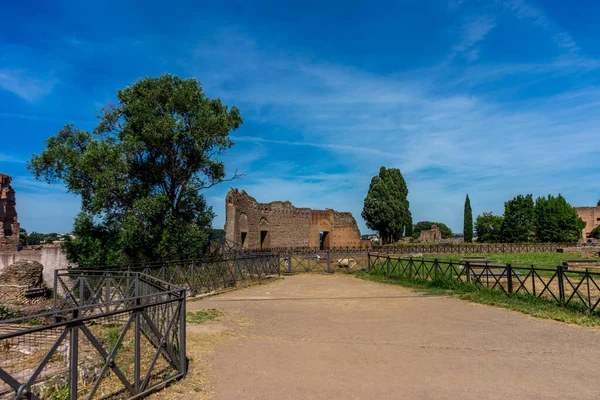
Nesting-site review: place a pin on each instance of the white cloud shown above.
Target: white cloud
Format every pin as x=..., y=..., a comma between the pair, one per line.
x=525, y=10
x=473, y=32
x=418, y=120
x=10, y=159
x=20, y=83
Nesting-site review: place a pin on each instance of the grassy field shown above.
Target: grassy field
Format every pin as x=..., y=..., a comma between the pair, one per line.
x=527, y=304
x=518, y=259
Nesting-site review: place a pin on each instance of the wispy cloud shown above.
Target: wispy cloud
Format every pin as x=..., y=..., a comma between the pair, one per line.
x=490, y=148
x=473, y=32
x=526, y=10
x=27, y=87
x=10, y=159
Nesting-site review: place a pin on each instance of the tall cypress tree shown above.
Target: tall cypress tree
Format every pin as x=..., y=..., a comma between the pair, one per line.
x=386, y=208
x=468, y=227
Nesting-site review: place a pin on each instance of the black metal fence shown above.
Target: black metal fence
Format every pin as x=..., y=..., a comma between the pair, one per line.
x=576, y=286
x=470, y=248
x=322, y=261
x=209, y=274
x=112, y=334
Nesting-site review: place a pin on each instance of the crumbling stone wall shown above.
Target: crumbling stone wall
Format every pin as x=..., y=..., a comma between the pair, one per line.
x=432, y=235
x=9, y=227
x=255, y=225
x=591, y=216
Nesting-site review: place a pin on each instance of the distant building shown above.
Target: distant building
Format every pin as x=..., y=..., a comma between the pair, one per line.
x=591, y=216
x=254, y=225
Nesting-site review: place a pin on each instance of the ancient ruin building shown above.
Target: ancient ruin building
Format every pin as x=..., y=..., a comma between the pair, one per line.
x=9, y=227
x=591, y=216
x=431, y=235
x=254, y=225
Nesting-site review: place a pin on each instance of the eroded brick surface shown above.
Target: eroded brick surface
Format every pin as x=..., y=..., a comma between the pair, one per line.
x=9, y=227
x=257, y=225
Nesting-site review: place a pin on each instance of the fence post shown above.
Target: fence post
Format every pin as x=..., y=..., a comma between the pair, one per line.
x=107, y=293
x=368, y=262
x=55, y=292
x=410, y=268
x=73, y=358
x=509, y=277
x=290, y=271
x=561, y=283
x=137, y=340
x=328, y=261
x=435, y=268
x=468, y=271
x=182, y=343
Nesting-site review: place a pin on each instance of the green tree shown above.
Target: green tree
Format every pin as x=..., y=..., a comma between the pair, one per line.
x=386, y=207
x=140, y=173
x=426, y=225
x=408, y=231
x=519, y=220
x=595, y=233
x=468, y=221
x=556, y=220
x=489, y=228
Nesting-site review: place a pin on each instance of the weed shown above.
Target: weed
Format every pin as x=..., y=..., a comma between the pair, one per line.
x=201, y=316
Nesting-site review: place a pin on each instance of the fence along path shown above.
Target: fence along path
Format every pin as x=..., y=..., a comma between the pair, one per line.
x=578, y=286
x=115, y=330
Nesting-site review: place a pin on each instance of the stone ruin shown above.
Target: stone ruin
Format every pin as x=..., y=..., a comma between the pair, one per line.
x=254, y=225
x=22, y=283
x=431, y=235
x=9, y=226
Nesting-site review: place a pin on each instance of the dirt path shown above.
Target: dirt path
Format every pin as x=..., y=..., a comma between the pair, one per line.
x=338, y=337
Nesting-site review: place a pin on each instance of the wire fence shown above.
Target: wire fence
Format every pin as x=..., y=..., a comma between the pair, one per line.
x=118, y=334
x=576, y=285
x=210, y=274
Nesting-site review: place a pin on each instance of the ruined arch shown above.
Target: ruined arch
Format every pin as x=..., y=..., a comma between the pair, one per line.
x=264, y=233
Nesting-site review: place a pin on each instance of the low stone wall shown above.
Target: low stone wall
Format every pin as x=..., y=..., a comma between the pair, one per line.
x=52, y=258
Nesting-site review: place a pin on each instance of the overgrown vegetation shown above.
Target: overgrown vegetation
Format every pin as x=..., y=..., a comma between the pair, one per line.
x=202, y=316
x=141, y=172
x=7, y=313
x=527, y=304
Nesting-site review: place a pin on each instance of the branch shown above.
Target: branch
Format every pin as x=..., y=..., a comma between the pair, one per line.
x=235, y=176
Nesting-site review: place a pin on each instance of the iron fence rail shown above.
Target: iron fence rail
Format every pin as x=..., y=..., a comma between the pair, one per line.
x=209, y=274
x=112, y=333
x=471, y=248
x=434, y=248
x=578, y=287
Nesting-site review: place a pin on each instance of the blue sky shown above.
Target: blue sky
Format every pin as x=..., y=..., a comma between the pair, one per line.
x=489, y=98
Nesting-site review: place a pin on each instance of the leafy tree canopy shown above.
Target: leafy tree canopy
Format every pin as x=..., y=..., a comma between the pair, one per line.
x=386, y=207
x=426, y=225
x=519, y=220
x=141, y=171
x=595, y=233
x=489, y=228
x=556, y=220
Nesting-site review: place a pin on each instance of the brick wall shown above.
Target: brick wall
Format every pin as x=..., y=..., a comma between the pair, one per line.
x=591, y=216
x=279, y=224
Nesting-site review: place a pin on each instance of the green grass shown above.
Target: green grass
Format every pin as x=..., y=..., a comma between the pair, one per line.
x=517, y=259
x=527, y=304
x=202, y=316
